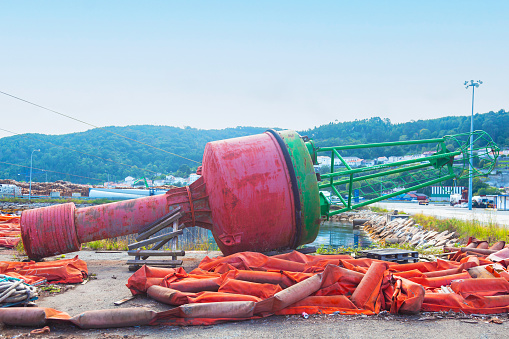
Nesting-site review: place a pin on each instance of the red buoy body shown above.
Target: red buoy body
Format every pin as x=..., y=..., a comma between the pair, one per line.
x=250, y=194
x=256, y=193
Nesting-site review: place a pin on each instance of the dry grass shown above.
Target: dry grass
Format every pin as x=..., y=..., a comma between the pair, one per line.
x=489, y=231
x=113, y=244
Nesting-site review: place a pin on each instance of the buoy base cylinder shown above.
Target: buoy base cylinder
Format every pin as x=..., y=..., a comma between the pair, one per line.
x=63, y=228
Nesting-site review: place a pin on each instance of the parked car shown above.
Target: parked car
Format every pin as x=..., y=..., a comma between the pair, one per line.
x=424, y=202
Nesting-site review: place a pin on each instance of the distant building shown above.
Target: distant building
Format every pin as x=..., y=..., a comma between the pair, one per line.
x=392, y=159
x=368, y=162
x=326, y=161
x=323, y=160
x=353, y=161
x=382, y=160
x=159, y=182
x=180, y=181
x=129, y=180
x=502, y=202
x=443, y=193
x=10, y=190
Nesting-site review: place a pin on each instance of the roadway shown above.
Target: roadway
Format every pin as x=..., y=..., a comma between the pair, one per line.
x=445, y=211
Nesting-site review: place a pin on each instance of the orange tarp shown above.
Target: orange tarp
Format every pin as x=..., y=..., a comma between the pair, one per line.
x=58, y=271
x=248, y=285
x=10, y=231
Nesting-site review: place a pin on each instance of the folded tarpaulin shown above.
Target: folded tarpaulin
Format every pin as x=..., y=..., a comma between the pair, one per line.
x=10, y=232
x=58, y=271
x=248, y=285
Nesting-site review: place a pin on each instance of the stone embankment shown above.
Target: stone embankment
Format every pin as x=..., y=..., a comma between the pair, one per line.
x=392, y=229
x=406, y=231
x=351, y=216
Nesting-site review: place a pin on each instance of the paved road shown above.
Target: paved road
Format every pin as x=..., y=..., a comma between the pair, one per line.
x=446, y=211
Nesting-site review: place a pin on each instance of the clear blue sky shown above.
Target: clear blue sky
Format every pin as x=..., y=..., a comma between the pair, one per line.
x=216, y=64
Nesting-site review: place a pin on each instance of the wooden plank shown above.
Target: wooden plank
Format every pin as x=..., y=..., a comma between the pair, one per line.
x=155, y=253
x=479, y=272
x=157, y=246
x=154, y=262
x=121, y=301
x=160, y=220
x=163, y=237
x=156, y=228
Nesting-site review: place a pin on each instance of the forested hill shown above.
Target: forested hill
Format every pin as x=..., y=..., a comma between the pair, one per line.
x=375, y=130
x=131, y=158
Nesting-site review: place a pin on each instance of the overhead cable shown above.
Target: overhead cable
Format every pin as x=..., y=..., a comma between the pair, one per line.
x=86, y=123
x=40, y=169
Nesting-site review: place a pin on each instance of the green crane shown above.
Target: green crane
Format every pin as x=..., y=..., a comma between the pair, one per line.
x=451, y=160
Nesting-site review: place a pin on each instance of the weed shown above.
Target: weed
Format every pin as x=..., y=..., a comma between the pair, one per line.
x=379, y=209
x=200, y=246
x=113, y=244
x=50, y=289
x=341, y=250
x=20, y=248
x=489, y=231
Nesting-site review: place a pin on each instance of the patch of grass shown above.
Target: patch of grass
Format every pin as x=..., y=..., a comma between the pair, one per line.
x=200, y=246
x=50, y=288
x=108, y=245
x=490, y=231
x=354, y=250
x=20, y=248
x=341, y=250
x=378, y=209
x=383, y=210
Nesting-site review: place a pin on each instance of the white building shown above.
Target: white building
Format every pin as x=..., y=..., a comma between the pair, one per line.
x=502, y=202
x=323, y=160
x=129, y=180
x=10, y=190
x=159, y=182
x=443, y=193
x=368, y=162
x=353, y=161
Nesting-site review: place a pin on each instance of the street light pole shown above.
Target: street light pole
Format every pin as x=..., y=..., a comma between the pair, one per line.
x=31, y=162
x=472, y=84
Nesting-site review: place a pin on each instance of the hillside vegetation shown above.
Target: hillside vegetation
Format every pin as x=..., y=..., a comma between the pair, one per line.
x=127, y=157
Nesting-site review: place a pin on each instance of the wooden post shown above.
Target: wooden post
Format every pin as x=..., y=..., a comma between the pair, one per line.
x=146, y=238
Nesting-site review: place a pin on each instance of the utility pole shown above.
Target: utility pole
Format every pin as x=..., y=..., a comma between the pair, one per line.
x=472, y=84
x=31, y=158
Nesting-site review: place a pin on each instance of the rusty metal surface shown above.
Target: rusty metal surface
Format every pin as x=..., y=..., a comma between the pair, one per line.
x=244, y=197
x=249, y=194
x=49, y=231
x=62, y=228
x=119, y=218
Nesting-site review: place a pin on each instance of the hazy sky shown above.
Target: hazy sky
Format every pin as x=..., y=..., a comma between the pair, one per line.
x=215, y=64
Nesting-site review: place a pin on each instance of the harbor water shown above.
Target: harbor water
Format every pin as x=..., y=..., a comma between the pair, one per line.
x=331, y=234
x=341, y=234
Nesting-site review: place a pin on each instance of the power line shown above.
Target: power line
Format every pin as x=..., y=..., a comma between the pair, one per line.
x=74, y=150
x=73, y=175
x=86, y=123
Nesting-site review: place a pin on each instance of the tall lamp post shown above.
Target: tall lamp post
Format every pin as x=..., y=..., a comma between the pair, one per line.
x=31, y=162
x=472, y=84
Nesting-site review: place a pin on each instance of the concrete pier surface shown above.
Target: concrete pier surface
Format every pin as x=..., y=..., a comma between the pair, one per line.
x=441, y=210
